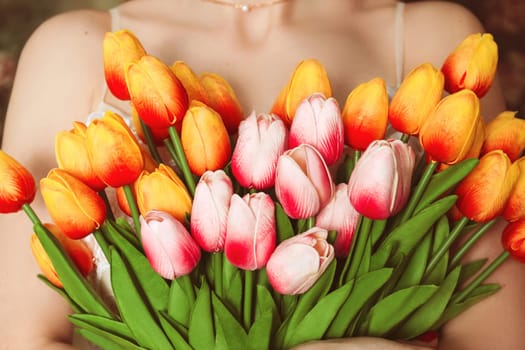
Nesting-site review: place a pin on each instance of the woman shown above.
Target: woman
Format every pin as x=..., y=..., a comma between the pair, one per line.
x=60, y=79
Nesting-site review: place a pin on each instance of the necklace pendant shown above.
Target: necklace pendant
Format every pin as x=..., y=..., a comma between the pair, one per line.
x=245, y=8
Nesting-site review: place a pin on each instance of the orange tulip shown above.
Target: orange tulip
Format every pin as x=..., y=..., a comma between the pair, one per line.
x=513, y=239
x=416, y=98
x=158, y=134
x=120, y=49
x=472, y=65
x=223, y=100
x=190, y=81
x=204, y=138
x=506, y=132
x=163, y=190
x=309, y=77
x=484, y=191
x=72, y=155
x=451, y=129
x=515, y=207
x=74, y=207
x=115, y=154
x=17, y=185
x=365, y=114
x=158, y=96
x=77, y=250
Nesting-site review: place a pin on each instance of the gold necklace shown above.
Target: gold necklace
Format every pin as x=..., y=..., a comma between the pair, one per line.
x=246, y=6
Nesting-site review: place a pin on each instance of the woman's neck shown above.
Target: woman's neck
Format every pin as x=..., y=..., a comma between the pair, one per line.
x=246, y=5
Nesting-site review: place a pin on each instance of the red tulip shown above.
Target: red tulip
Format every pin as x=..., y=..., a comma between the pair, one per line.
x=209, y=213
x=318, y=122
x=303, y=183
x=169, y=247
x=17, y=186
x=507, y=133
x=262, y=139
x=339, y=215
x=250, y=232
x=298, y=262
x=379, y=186
x=513, y=239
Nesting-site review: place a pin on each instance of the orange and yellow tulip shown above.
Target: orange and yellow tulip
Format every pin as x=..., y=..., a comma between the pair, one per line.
x=451, y=129
x=472, y=65
x=72, y=155
x=120, y=49
x=513, y=239
x=204, y=138
x=416, y=98
x=484, y=191
x=114, y=152
x=365, y=114
x=190, y=81
x=515, y=207
x=506, y=132
x=158, y=96
x=17, y=186
x=158, y=134
x=222, y=98
x=163, y=190
x=74, y=206
x=77, y=250
x=309, y=77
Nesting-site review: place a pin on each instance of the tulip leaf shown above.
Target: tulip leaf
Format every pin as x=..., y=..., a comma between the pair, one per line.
x=232, y=288
x=441, y=232
x=283, y=224
x=75, y=285
x=93, y=322
x=444, y=180
x=416, y=265
x=265, y=323
x=470, y=269
x=127, y=231
x=314, y=325
x=394, y=308
x=201, y=332
x=107, y=341
x=171, y=328
x=181, y=299
x=234, y=334
x=364, y=287
x=429, y=313
x=378, y=227
x=151, y=283
x=134, y=311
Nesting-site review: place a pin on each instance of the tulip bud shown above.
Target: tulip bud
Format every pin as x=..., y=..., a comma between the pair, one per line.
x=120, y=49
x=513, y=239
x=451, y=129
x=158, y=96
x=482, y=194
x=298, y=262
x=204, y=138
x=222, y=98
x=515, y=207
x=77, y=250
x=190, y=81
x=416, y=98
x=303, y=183
x=318, y=122
x=74, y=207
x=341, y=216
x=209, y=213
x=507, y=133
x=115, y=154
x=169, y=247
x=262, y=139
x=17, y=186
x=250, y=231
x=163, y=190
x=309, y=77
x=379, y=186
x=472, y=65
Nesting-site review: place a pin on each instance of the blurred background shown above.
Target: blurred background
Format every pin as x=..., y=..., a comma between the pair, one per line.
x=505, y=19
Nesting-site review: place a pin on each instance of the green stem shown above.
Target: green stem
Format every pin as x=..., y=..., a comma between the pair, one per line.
x=358, y=252
x=310, y=222
x=469, y=243
x=188, y=176
x=405, y=137
x=150, y=142
x=419, y=190
x=171, y=151
x=31, y=214
x=248, y=298
x=458, y=228
x=104, y=197
x=217, y=264
x=99, y=236
x=133, y=208
x=463, y=295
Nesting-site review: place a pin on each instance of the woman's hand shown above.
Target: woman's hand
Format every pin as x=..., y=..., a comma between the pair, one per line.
x=364, y=343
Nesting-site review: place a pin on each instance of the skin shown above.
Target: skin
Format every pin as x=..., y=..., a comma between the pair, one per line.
x=60, y=79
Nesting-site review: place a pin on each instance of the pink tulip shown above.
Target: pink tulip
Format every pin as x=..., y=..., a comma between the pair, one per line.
x=318, y=122
x=303, y=183
x=169, y=247
x=339, y=215
x=298, y=262
x=250, y=232
x=380, y=183
x=262, y=139
x=209, y=213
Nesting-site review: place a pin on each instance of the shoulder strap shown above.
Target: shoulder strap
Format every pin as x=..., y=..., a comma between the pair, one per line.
x=399, y=41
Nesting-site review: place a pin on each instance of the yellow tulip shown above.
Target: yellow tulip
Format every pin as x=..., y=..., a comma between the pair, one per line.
x=506, y=132
x=190, y=81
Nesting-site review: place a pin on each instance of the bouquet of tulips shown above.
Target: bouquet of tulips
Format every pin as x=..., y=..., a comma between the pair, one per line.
x=307, y=222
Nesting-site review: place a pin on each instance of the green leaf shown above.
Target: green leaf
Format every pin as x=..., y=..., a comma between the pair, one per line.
x=470, y=269
x=441, y=232
x=234, y=335
x=181, y=299
x=93, y=322
x=416, y=265
x=266, y=321
x=394, y=308
x=127, y=231
x=170, y=327
x=429, y=313
x=132, y=306
x=75, y=284
x=108, y=341
x=378, y=228
x=232, y=288
x=201, y=332
x=283, y=224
